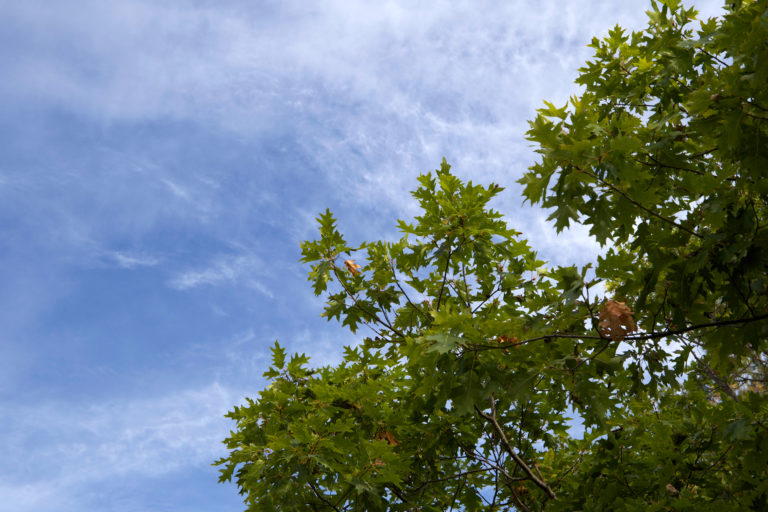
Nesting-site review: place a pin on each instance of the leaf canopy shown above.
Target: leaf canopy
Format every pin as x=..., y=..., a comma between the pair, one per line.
x=489, y=381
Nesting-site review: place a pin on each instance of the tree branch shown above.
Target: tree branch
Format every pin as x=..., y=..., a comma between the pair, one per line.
x=457, y=475
x=711, y=56
x=491, y=418
x=633, y=337
x=719, y=381
x=656, y=163
x=396, y=491
x=322, y=498
x=445, y=276
x=639, y=205
x=371, y=314
x=407, y=298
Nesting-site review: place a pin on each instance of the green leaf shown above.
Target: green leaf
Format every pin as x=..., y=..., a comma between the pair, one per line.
x=662, y=156
x=442, y=342
x=278, y=356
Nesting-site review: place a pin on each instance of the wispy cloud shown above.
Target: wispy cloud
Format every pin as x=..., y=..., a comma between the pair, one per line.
x=394, y=89
x=133, y=260
x=150, y=135
x=227, y=270
x=46, y=461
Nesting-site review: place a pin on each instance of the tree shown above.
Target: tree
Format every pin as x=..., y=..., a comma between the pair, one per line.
x=481, y=360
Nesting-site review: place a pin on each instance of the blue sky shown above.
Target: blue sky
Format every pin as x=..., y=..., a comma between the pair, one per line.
x=160, y=163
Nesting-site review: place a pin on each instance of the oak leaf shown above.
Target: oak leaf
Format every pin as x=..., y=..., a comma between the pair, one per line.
x=616, y=320
x=387, y=436
x=352, y=267
x=504, y=339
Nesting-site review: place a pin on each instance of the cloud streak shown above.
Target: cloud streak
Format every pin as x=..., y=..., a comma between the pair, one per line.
x=373, y=94
x=59, y=452
x=227, y=270
x=133, y=260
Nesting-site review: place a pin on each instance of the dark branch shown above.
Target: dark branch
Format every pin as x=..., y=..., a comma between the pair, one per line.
x=322, y=498
x=371, y=314
x=407, y=298
x=639, y=205
x=457, y=475
x=491, y=418
x=635, y=337
x=656, y=163
x=397, y=492
x=719, y=381
x=445, y=276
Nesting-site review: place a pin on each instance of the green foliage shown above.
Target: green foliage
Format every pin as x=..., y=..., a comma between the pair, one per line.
x=480, y=358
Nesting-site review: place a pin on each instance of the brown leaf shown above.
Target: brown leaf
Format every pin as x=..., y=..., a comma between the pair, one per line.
x=353, y=267
x=616, y=320
x=387, y=436
x=507, y=339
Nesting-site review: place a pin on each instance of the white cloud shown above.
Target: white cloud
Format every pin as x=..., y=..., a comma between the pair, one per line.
x=242, y=66
x=133, y=260
x=372, y=92
x=375, y=93
x=227, y=270
x=54, y=452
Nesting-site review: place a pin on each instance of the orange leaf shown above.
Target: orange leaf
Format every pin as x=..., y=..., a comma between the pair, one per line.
x=353, y=267
x=616, y=320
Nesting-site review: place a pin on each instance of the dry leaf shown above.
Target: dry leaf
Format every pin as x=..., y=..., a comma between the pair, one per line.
x=616, y=320
x=507, y=339
x=387, y=436
x=353, y=267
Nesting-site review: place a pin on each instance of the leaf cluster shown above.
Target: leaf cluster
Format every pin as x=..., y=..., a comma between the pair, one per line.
x=486, y=380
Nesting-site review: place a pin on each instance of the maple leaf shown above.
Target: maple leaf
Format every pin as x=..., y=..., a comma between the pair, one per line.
x=353, y=267
x=616, y=320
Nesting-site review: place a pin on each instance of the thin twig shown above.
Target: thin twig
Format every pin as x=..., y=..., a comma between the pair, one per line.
x=397, y=492
x=656, y=163
x=322, y=498
x=714, y=57
x=719, y=381
x=371, y=314
x=445, y=276
x=488, y=297
x=639, y=205
x=520, y=462
x=466, y=287
x=457, y=475
x=567, y=472
x=635, y=337
x=407, y=298
x=456, y=493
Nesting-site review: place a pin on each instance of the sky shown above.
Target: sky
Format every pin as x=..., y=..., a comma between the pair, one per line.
x=160, y=163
